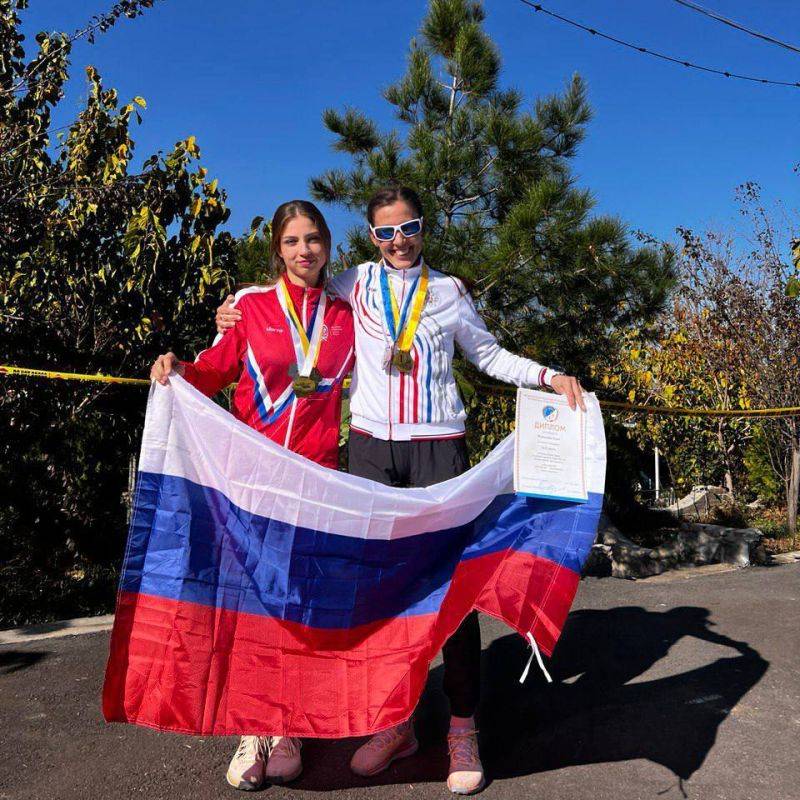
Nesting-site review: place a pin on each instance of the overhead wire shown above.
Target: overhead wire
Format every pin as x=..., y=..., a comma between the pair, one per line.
x=707, y=12
x=656, y=54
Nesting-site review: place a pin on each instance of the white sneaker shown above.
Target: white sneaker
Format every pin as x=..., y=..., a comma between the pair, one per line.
x=246, y=770
x=466, y=771
x=375, y=755
x=283, y=763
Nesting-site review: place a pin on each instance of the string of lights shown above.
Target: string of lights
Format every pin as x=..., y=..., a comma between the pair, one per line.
x=707, y=12
x=655, y=54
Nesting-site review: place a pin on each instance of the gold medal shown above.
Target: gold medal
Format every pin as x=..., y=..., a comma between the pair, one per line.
x=402, y=331
x=304, y=386
x=403, y=360
x=303, y=372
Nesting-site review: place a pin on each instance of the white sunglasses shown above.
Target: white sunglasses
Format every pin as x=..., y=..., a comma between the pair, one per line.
x=409, y=229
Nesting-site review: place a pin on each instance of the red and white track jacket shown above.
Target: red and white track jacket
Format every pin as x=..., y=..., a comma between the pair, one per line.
x=425, y=403
x=258, y=352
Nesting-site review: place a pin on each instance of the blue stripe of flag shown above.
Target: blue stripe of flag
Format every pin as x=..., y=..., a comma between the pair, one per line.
x=189, y=542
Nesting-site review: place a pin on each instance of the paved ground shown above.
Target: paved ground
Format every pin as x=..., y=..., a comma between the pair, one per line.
x=664, y=688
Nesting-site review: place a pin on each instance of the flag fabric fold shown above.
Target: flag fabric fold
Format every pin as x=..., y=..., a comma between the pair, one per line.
x=262, y=593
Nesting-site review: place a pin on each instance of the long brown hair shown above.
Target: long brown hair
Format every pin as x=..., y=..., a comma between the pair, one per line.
x=283, y=213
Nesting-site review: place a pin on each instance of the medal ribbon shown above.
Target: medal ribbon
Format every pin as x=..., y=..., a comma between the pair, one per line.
x=307, y=343
x=402, y=333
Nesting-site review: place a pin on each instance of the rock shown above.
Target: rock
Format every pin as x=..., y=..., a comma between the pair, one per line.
x=786, y=558
x=721, y=544
x=624, y=558
x=598, y=564
x=699, y=546
x=608, y=533
x=759, y=555
x=632, y=562
x=698, y=503
x=696, y=543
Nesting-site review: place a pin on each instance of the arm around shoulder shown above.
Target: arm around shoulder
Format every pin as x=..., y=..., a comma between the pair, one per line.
x=342, y=284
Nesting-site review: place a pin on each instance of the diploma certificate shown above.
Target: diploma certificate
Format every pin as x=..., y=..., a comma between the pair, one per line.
x=550, y=448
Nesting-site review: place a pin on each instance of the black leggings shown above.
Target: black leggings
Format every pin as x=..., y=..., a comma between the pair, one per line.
x=417, y=464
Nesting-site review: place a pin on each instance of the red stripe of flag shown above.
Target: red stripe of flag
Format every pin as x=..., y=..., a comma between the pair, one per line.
x=190, y=668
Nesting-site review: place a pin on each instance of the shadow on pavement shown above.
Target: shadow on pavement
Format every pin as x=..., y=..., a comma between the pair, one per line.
x=15, y=660
x=598, y=716
x=44, y=627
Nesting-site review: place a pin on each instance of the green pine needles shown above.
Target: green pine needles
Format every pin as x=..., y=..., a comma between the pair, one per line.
x=502, y=209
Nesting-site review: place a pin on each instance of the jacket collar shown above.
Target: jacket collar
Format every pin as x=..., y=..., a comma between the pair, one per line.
x=410, y=273
x=297, y=293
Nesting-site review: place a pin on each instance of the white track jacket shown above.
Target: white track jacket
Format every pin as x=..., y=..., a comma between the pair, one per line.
x=424, y=403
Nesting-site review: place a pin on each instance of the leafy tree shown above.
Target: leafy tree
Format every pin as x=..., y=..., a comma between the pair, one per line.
x=102, y=266
x=761, y=469
x=763, y=315
x=252, y=257
x=732, y=341
x=685, y=361
x=501, y=206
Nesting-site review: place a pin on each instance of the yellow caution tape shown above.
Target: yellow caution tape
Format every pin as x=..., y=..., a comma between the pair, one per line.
x=680, y=411
x=610, y=404
x=702, y=412
x=6, y=369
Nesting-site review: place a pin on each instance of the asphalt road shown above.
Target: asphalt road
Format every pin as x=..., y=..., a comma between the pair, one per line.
x=687, y=688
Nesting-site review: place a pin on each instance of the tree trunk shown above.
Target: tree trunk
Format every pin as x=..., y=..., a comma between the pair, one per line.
x=726, y=457
x=793, y=487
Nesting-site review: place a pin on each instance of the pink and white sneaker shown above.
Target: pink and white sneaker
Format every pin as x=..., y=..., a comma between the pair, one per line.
x=466, y=771
x=246, y=770
x=283, y=763
x=377, y=753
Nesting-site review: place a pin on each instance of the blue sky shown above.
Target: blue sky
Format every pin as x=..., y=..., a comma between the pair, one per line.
x=249, y=78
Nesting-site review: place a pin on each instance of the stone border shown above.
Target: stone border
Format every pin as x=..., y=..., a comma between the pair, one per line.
x=694, y=543
x=51, y=630
x=786, y=558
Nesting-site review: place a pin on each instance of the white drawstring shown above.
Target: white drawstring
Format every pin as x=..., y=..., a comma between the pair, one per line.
x=534, y=652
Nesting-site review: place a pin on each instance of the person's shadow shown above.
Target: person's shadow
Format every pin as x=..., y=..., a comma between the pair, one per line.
x=603, y=714
x=16, y=660
x=600, y=715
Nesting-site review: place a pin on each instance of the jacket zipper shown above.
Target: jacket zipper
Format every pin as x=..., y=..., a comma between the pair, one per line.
x=389, y=410
x=391, y=372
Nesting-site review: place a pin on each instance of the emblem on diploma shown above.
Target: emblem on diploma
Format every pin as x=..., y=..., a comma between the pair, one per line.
x=549, y=448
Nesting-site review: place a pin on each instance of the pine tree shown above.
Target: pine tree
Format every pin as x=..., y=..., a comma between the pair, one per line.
x=501, y=206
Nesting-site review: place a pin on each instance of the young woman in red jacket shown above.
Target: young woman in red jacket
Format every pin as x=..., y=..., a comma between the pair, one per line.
x=290, y=353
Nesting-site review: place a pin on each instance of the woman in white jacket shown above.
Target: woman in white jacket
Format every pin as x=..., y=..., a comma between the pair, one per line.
x=407, y=426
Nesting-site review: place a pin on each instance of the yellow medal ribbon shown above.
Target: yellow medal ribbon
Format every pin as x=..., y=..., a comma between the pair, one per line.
x=293, y=315
x=405, y=336
x=298, y=325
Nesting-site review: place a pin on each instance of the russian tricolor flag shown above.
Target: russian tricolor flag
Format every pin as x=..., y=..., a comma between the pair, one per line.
x=264, y=594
